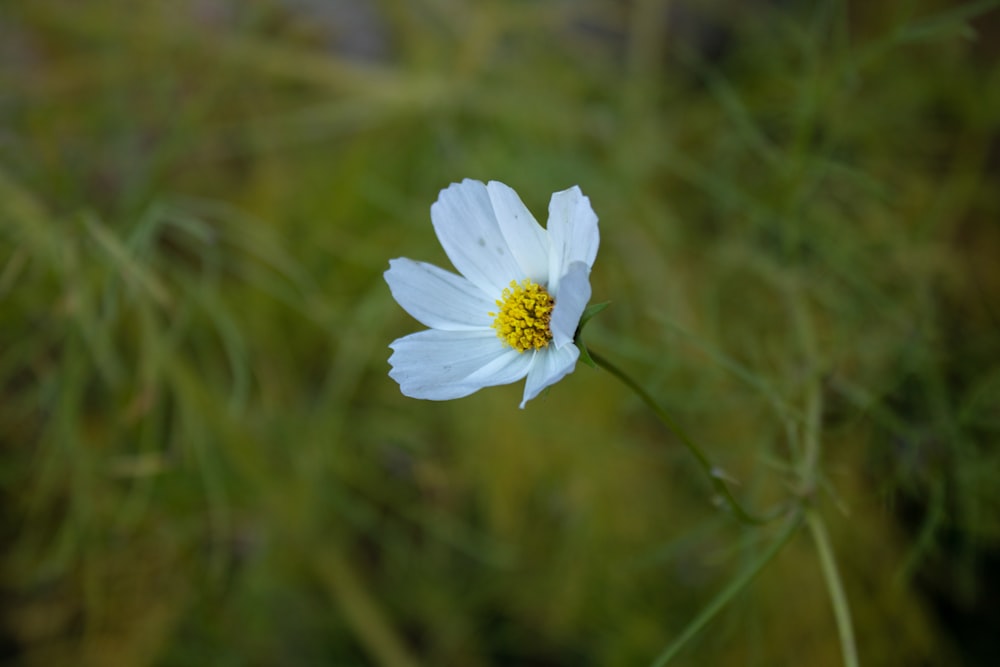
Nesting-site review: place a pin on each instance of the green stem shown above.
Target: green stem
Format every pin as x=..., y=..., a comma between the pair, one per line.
x=713, y=473
x=730, y=591
x=841, y=610
x=809, y=472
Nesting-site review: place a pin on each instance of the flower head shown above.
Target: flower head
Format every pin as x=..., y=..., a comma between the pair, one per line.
x=513, y=311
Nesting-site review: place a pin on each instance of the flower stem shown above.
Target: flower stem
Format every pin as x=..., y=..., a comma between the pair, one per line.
x=715, y=475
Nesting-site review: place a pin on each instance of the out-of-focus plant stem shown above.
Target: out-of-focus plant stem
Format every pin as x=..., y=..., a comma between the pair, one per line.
x=732, y=590
x=809, y=470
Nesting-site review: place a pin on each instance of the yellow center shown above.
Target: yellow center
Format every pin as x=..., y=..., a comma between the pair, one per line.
x=523, y=320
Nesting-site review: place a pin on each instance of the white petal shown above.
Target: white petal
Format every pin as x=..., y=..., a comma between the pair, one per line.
x=571, y=300
x=438, y=298
x=442, y=365
x=525, y=237
x=573, y=233
x=549, y=366
x=467, y=228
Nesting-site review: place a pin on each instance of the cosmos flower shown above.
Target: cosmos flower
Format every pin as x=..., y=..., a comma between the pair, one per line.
x=513, y=311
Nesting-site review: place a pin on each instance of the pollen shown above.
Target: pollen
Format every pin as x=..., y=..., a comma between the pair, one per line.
x=525, y=313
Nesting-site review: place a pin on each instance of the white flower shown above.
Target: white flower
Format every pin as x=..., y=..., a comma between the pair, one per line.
x=513, y=311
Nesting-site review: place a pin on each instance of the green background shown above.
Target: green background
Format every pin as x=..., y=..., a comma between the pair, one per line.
x=205, y=462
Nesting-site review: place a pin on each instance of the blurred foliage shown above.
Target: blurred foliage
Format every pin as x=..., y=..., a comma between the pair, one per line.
x=206, y=463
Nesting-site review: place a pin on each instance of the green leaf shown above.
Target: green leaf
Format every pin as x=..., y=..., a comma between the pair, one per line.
x=584, y=354
x=588, y=313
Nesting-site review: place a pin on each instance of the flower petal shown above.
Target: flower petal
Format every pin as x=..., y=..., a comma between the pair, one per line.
x=573, y=233
x=548, y=367
x=571, y=300
x=442, y=365
x=527, y=240
x=467, y=228
x=438, y=298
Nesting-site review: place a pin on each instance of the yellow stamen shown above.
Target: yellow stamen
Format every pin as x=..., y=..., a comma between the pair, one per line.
x=525, y=312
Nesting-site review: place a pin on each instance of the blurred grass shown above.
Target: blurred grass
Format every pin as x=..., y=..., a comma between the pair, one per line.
x=206, y=463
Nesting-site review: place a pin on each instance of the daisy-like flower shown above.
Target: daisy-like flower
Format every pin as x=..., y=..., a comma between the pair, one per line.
x=513, y=311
